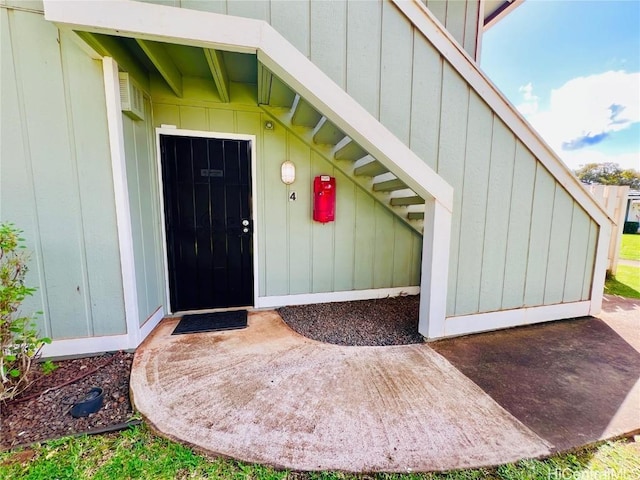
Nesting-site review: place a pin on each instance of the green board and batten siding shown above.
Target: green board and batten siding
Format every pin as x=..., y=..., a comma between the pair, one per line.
x=142, y=183
x=366, y=247
x=509, y=211
x=56, y=180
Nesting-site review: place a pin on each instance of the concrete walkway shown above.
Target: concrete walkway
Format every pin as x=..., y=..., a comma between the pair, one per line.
x=265, y=394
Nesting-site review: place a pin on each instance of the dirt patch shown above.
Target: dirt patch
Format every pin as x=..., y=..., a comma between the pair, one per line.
x=42, y=412
x=385, y=321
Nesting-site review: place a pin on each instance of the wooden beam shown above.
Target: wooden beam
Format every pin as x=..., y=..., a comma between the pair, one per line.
x=305, y=115
x=108, y=46
x=162, y=61
x=351, y=151
x=218, y=72
x=370, y=169
x=328, y=134
x=390, y=185
x=404, y=201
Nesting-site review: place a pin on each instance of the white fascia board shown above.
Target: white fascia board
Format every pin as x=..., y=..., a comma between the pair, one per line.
x=225, y=32
x=156, y=22
x=483, y=322
x=424, y=21
x=600, y=268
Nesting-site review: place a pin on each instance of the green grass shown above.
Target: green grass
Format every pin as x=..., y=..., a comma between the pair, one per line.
x=630, y=248
x=137, y=453
x=626, y=283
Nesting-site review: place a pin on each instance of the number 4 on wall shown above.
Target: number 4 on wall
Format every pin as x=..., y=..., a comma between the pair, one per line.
x=293, y=196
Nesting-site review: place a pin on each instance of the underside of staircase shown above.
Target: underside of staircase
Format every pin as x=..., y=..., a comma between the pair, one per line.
x=321, y=135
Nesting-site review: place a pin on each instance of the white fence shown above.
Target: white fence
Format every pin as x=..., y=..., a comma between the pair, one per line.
x=614, y=201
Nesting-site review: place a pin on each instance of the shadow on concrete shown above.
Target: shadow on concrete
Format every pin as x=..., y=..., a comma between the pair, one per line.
x=572, y=382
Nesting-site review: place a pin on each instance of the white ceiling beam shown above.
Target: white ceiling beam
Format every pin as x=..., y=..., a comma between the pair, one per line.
x=218, y=72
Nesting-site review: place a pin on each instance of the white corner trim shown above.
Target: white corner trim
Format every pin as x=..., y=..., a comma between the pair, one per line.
x=86, y=346
x=483, y=322
x=150, y=323
x=600, y=268
x=329, y=297
x=123, y=213
x=424, y=21
x=178, y=132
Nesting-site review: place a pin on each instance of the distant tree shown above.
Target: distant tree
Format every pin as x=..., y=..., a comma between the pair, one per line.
x=608, y=174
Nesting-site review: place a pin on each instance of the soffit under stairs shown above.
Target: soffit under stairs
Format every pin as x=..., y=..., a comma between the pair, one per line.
x=174, y=63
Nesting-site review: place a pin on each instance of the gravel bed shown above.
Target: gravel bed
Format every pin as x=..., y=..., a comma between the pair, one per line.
x=47, y=416
x=385, y=321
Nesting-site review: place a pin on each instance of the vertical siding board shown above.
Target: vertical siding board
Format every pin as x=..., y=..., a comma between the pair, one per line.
x=345, y=245
x=519, y=228
x=164, y=114
x=274, y=220
x=543, y=199
x=133, y=186
x=83, y=77
x=451, y=153
x=497, y=220
x=17, y=197
x=322, y=238
x=214, y=6
x=425, y=101
x=456, y=13
x=416, y=263
x=471, y=27
x=396, y=72
x=384, y=248
x=364, y=26
x=473, y=208
x=56, y=191
x=578, y=248
x=299, y=218
x=364, y=240
x=328, y=38
x=438, y=8
x=591, y=259
x=291, y=19
x=402, y=254
x=249, y=9
x=558, y=247
x=221, y=120
x=193, y=118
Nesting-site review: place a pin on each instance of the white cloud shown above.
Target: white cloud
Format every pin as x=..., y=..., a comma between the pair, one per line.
x=584, y=111
x=529, y=106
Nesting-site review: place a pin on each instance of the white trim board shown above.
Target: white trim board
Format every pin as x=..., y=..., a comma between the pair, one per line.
x=178, y=132
x=86, y=346
x=424, y=21
x=483, y=322
x=149, y=324
x=330, y=297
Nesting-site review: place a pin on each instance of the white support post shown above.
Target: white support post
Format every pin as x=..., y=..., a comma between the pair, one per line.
x=435, y=270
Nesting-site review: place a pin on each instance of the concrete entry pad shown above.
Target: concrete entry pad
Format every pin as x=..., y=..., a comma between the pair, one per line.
x=266, y=394
x=572, y=382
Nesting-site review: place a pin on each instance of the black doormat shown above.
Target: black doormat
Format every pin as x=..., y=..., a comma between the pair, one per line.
x=211, y=322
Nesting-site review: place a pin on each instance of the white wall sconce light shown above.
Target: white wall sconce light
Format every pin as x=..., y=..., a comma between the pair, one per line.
x=288, y=172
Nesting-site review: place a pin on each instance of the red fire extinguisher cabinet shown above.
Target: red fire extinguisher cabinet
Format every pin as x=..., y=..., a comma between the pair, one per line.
x=324, y=199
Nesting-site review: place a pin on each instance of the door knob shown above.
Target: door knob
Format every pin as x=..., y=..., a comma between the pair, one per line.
x=245, y=223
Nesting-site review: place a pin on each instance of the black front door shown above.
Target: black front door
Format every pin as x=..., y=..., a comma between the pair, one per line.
x=207, y=207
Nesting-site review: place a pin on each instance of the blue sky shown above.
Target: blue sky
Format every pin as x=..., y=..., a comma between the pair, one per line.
x=572, y=67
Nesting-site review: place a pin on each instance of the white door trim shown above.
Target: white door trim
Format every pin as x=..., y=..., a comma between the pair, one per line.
x=254, y=198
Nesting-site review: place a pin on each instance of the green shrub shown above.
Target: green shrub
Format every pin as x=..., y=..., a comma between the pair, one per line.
x=630, y=227
x=20, y=344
